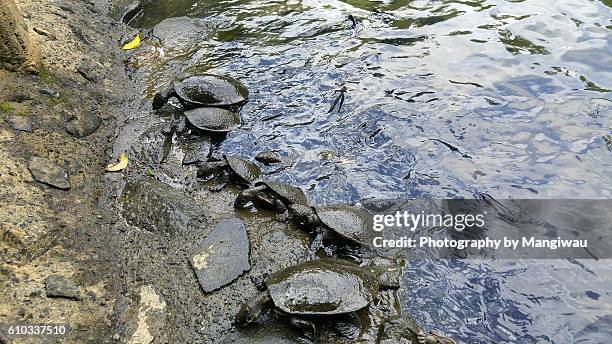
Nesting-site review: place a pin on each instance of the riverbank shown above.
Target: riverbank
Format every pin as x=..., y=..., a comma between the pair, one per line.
x=71, y=104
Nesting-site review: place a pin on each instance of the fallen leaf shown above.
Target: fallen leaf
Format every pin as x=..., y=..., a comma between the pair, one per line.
x=133, y=44
x=121, y=164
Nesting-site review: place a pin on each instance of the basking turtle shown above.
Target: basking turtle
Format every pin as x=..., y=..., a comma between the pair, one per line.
x=272, y=195
x=313, y=288
x=204, y=90
x=213, y=119
x=240, y=171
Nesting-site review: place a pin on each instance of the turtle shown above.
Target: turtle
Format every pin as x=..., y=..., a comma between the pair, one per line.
x=272, y=195
x=204, y=90
x=405, y=329
x=213, y=119
x=332, y=222
x=240, y=171
x=314, y=288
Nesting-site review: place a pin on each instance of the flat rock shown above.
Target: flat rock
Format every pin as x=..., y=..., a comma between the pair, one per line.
x=20, y=123
x=222, y=256
x=58, y=286
x=157, y=207
x=46, y=172
x=84, y=124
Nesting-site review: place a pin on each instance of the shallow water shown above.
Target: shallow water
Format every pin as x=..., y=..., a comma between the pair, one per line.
x=441, y=99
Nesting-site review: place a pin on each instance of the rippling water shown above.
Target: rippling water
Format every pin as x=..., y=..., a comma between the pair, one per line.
x=438, y=99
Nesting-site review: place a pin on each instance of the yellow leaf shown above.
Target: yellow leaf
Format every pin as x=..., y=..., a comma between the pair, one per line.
x=133, y=44
x=121, y=164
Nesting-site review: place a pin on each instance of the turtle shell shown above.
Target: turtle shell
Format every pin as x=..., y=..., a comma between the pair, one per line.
x=350, y=222
x=246, y=171
x=286, y=193
x=213, y=119
x=322, y=287
x=211, y=90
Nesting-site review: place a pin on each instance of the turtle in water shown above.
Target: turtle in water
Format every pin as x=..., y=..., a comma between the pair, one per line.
x=206, y=90
x=272, y=195
x=235, y=169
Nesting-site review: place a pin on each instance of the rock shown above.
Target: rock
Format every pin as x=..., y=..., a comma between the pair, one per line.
x=222, y=256
x=91, y=70
x=181, y=33
x=60, y=287
x=197, y=152
x=44, y=32
x=50, y=92
x=153, y=146
x=277, y=333
x=268, y=158
x=84, y=124
x=20, y=123
x=48, y=173
x=400, y=330
x=157, y=207
x=150, y=319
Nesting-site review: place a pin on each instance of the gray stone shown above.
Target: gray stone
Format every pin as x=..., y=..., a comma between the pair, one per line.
x=197, y=152
x=222, y=256
x=268, y=158
x=48, y=173
x=60, y=287
x=91, y=70
x=20, y=123
x=84, y=124
x=157, y=207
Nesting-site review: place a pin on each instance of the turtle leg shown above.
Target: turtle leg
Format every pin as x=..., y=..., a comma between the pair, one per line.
x=162, y=97
x=308, y=327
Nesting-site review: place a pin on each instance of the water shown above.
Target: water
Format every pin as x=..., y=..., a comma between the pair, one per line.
x=441, y=99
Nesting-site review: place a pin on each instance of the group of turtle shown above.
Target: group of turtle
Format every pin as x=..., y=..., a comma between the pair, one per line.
x=322, y=289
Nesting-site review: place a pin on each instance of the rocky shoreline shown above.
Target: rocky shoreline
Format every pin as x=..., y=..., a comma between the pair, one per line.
x=157, y=251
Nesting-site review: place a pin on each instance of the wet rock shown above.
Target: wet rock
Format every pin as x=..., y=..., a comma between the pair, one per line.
x=20, y=123
x=180, y=33
x=400, y=330
x=213, y=119
x=211, y=90
x=222, y=256
x=157, y=207
x=60, y=287
x=83, y=124
x=276, y=333
x=46, y=172
x=268, y=158
x=91, y=70
x=153, y=146
x=197, y=152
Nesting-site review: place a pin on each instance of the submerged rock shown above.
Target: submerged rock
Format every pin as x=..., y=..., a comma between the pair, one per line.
x=46, y=172
x=180, y=33
x=60, y=287
x=20, y=123
x=268, y=158
x=222, y=256
x=84, y=124
x=213, y=119
x=157, y=207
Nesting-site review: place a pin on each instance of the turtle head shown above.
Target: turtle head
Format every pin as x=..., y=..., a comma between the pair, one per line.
x=251, y=310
